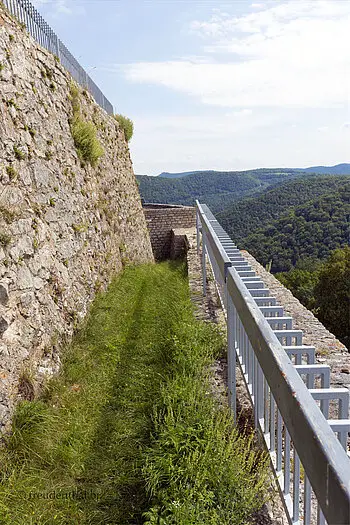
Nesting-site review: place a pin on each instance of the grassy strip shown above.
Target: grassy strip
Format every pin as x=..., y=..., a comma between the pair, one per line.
x=128, y=432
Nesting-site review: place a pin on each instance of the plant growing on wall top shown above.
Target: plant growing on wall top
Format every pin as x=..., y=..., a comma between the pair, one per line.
x=127, y=125
x=84, y=133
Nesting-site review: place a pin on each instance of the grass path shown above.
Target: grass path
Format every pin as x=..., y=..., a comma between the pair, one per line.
x=128, y=433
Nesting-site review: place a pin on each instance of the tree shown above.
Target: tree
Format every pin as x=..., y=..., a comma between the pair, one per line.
x=332, y=294
x=302, y=285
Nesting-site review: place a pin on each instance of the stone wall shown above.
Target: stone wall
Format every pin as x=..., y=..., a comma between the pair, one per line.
x=65, y=227
x=161, y=220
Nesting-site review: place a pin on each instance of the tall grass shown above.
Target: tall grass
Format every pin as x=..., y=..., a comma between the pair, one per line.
x=84, y=133
x=85, y=139
x=128, y=433
x=127, y=125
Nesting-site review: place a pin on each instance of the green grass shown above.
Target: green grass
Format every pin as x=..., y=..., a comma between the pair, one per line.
x=129, y=423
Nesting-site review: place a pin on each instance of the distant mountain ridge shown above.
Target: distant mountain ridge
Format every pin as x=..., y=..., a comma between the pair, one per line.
x=338, y=169
x=218, y=189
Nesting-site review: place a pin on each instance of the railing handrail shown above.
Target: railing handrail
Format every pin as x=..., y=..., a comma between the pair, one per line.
x=325, y=462
x=40, y=30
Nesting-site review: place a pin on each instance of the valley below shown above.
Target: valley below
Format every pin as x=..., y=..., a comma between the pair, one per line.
x=294, y=222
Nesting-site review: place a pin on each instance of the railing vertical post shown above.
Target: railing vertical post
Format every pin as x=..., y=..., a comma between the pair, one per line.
x=58, y=50
x=231, y=356
x=197, y=227
x=307, y=501
x=204, y=270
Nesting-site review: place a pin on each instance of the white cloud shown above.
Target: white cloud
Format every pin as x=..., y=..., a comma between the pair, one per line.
x=274, y=85
x=237, y=140
x=295, y=54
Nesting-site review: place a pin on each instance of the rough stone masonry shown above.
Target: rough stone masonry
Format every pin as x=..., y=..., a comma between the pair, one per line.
x=65, y=228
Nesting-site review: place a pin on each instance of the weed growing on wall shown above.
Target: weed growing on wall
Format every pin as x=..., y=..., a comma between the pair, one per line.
x=5, y=239
x=127, y=125
x=84, y=133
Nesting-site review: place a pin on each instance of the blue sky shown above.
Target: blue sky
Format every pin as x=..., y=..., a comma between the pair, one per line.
x=218, y=85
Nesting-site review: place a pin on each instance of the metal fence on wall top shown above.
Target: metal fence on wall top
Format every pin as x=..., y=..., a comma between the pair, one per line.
x=40, y=30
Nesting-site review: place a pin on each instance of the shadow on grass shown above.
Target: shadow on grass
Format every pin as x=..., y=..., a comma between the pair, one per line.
x=113, y=467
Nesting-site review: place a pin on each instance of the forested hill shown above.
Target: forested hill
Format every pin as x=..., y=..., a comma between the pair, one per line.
x=216, y=189
x=339, y=169
x=243, y=218
x=307, y=232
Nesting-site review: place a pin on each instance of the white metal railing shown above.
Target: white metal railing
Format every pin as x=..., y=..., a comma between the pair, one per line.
x=26, y=13
x=289, y=392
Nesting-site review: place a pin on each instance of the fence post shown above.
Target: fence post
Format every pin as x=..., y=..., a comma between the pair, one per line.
x=197, y=227
x=231, y=355
x=58, y=50
x=204, y=270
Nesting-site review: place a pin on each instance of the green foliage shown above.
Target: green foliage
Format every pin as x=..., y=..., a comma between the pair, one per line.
x=131, y=405
x=127, y=125
x=312, y=230
x=19, y=154
x=324, y=289
x=302, y=285
x=30, y=130
x=5, y=239
x=248, y=215
x=332, y=294
x=74, y=98
x=197, y=459
x=11, y=103
x=80, y=228
x=11, y=172
x=8, y=214
x=47, y=73
x=213, y=188
x=223, y=193
x=84, y=133
x=86, y=142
